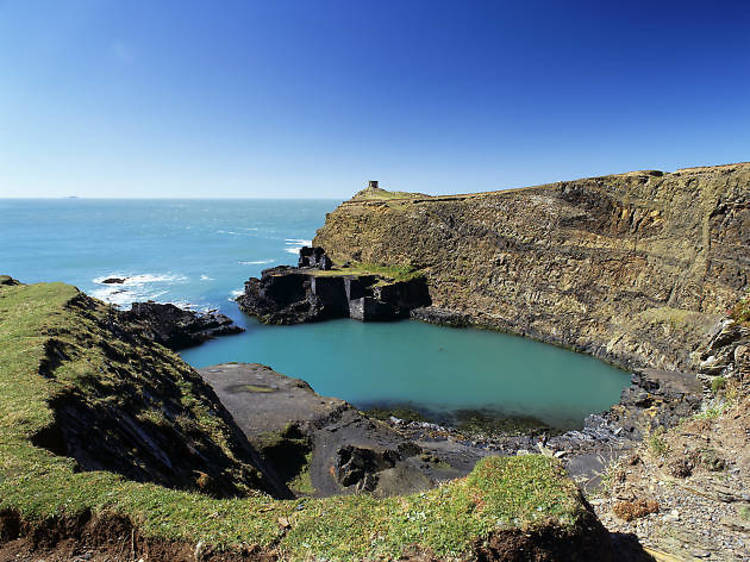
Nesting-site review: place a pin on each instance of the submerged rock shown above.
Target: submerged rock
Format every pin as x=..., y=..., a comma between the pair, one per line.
x=114, y=280
x=315, y=291
x=177, y=328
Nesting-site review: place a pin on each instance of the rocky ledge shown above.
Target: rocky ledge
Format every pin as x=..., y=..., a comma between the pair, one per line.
x=178, y=328
x=323, y=446
x=317, y=290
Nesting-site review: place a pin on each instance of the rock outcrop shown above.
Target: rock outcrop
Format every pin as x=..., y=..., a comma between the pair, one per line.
x=178, y=328
x=698, y=473
x=8, y=280
x=338, y=449
x=316, y=291
x=634, y=268
x=314, y=257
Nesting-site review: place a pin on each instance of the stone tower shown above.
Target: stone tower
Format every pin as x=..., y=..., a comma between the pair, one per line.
x=372, y=184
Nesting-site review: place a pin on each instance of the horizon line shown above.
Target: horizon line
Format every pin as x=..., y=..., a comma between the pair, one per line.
x=75, y=197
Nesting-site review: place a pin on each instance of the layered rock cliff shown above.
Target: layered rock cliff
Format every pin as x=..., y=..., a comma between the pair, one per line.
x=636, y=268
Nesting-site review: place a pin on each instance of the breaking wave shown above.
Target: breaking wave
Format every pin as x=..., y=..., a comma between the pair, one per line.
x=294, y=245
x=135, y=288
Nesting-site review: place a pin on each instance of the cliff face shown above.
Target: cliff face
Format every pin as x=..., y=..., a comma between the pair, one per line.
x=636, y=268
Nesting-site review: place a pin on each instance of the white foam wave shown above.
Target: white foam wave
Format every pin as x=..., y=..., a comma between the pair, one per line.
x=187, y=305
x=256, y=262
x=135, y=288
x=206, y=278
x=237, y=293
x=124, y=298
x=294, y=245
x=141, y=279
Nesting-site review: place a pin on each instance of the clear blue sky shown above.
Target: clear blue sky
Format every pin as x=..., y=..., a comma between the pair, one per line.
x=311, y=99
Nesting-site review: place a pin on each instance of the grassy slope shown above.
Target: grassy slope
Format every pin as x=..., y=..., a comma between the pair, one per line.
x=500, y=493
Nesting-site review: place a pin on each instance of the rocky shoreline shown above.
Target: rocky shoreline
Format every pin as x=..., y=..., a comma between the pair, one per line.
x=323, y=446
x=285, y=419
x=656, y=399
x=178, y=328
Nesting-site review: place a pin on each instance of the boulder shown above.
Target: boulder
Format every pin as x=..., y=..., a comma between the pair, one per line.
x=114, y=280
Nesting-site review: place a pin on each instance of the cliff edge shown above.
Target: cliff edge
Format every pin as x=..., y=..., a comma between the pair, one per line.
x=634, y=268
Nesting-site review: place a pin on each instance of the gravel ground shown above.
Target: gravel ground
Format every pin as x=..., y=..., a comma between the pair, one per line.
x=699, y=475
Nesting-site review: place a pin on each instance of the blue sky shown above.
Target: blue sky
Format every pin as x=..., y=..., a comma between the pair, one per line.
x=312, y=99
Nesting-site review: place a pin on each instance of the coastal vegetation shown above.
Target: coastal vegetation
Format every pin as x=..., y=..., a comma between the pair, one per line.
x=740, y=312
x=388, y=273
x=59, y=347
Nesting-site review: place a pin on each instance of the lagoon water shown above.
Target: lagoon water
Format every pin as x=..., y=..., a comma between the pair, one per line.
x=199, y=252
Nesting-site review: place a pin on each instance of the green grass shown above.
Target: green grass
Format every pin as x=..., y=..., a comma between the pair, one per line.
x=656, y=442
x=302, y=483
x=717, y=384
x=740, y=312
x=500, y=493
x=395, y=273
x=711, y=413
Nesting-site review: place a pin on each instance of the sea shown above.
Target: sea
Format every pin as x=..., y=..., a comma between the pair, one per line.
x=198, y=253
